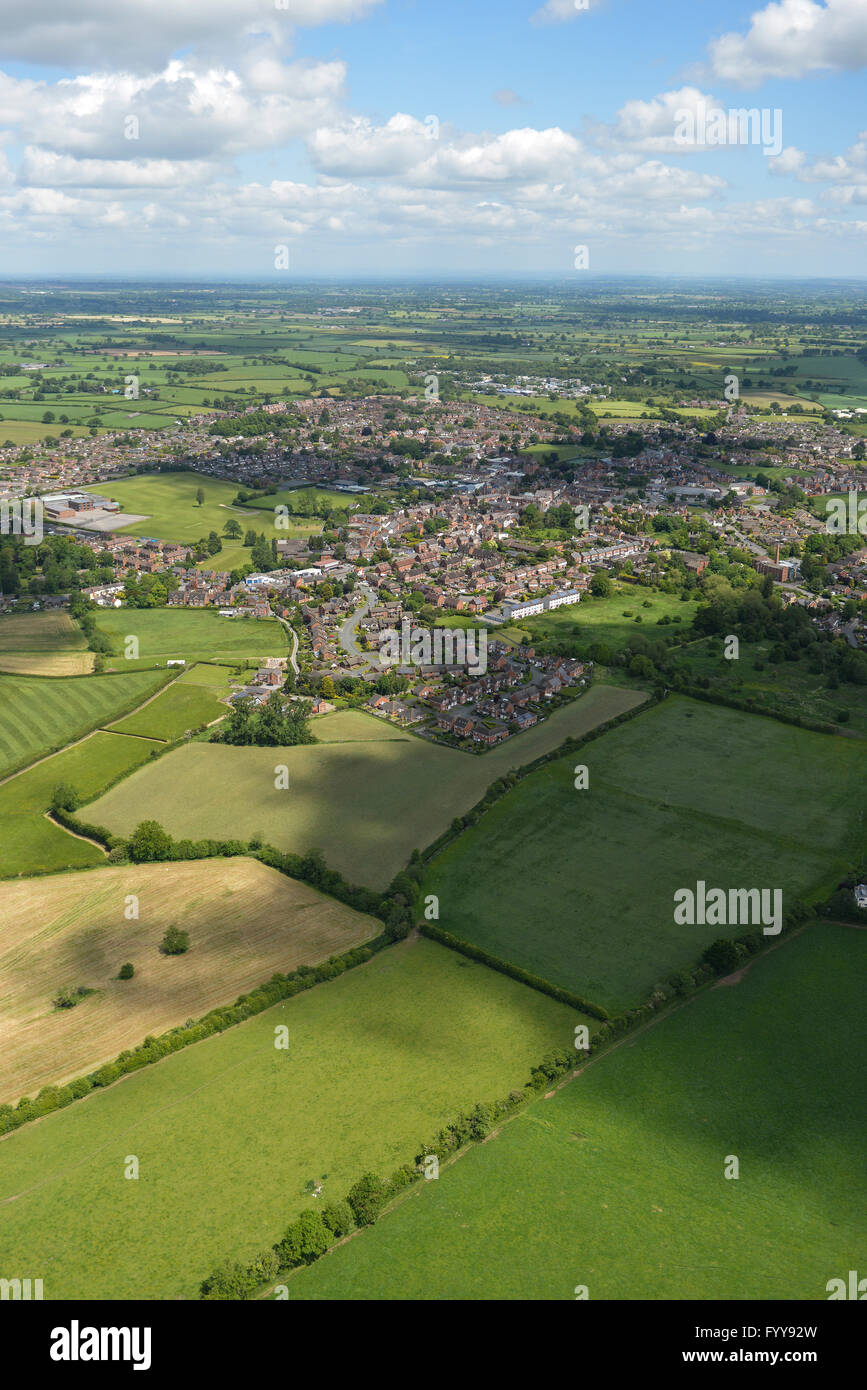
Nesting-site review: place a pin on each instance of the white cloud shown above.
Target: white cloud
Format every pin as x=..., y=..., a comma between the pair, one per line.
x=850, y=168
x=792, y=38
x=182, y=112
x=142, y=34
x=361, y=149
x=47, y=169
x=562, y=11
x=650, y=125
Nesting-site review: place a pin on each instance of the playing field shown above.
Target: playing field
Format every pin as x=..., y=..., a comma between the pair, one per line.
x=228, y=1132
x=366, y=804
x=31, y=844
x=43, y=644
x=38, y=715
x=183, y=633
x=168, y=503
x=578, y=885
x=244, y=921
x=617, y=1183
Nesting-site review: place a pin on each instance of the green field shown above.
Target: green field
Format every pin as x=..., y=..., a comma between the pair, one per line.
x=43, y=644
x=789, y=687
x=228, y=1131
x=612, y=620
x=617, y=1183
x=26, y=631
x=585, y=879
x=41, y=714
x=366, y=804
x=190, y=635
x=189, y=702
x=167, y=502
x=30, y=844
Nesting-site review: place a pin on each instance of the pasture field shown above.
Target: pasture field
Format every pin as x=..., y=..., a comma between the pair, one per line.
x=245, y=922
x=585, y=879
x=185, y=704
x=617, y=1182
x=612, y=620
x=229, y=1131
x=184, y=633
x=43, y=644
x=31, y=844
x=367, y=803
x=39, y=714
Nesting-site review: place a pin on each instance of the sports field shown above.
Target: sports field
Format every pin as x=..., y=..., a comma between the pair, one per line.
x=39, y=714
x=617, y=1183
x=168, y=504
x=244, y=921
x=366, y=804
x=585, y=879
x=229, y=1131
x=182, y=633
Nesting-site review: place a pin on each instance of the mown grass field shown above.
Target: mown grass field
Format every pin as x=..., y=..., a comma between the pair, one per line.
x=188, y=703
x=39, y=714
x=585, y=879
x=613, y=620
x=617, y=1183
x=367, y=802
x=183, y=633
x=245, y=921
x=43, y=644
x=168, y=503
x=31, y=844
x=229, y=1131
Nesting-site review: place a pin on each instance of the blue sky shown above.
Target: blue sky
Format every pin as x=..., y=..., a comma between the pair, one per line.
x=345, y=137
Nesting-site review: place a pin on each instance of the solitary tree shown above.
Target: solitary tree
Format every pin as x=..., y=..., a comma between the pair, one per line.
x=175, y=942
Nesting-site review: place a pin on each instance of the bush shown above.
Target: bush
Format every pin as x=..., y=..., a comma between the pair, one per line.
x=67, y=998
x=126, y=971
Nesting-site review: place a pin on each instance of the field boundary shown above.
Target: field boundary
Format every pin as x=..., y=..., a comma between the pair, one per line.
x=515, y=972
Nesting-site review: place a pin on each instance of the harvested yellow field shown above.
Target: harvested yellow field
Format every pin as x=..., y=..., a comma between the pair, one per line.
x=245, y=921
